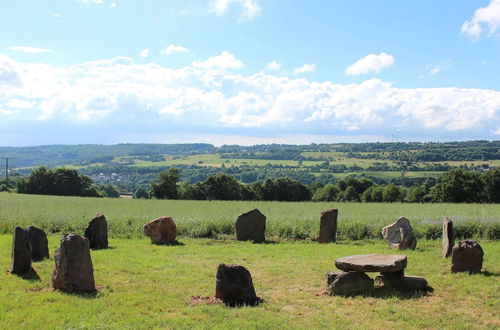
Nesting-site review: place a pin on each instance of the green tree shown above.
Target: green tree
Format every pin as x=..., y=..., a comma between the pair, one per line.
x=166, y=185
x=459, y=186
x=492, y=185
x=141, y=193
x=327, y=193
x=222, y=187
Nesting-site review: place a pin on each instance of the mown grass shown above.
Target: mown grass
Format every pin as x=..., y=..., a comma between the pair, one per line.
x=148, y=286
x=214, y=218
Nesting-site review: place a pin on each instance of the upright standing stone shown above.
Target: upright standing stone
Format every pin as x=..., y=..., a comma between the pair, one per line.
x=251, y=226
x=234, y=286
x=21, y=252
x=161, y=231
x=467, y=256
x=74, y=271
x=400, y=235
x=39, y=243
x=448, y=237
x=328, y=226
x=97, y=232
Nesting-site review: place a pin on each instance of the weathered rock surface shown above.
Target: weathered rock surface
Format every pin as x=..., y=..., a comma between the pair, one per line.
x=161, y=231
x=234, y=286
x=448, y=237
x=467, y=256
x=97, y=232
x=328, y=226
x=348, y=283
x=74, y=271
x=21, y=252
x=372, y=263
x=400, y=235
x=39, y=243
x=405, y=283
x=251, y=226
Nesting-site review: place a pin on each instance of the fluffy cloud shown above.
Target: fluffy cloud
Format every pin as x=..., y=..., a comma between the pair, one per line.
x=370, y=63
x=439, y=67
x=484, y=18
x=119, y=97
x=97, y=2
x=30, y=50
x=171, y=49
x=225, y=60
x=306, y=68
x=249, y=8
x=144, y=53
x=273, y=65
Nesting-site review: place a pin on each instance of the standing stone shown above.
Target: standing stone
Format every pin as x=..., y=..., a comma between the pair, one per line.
x=234, y=286
x=328, y=226
x=348, y=283
x=21, y=252
x=467, y=256
x=251, y=226
x=161, y=231
x=448, y=237
x=400, y=235
x=97, y=232
x=74, y=271
x=39, y=243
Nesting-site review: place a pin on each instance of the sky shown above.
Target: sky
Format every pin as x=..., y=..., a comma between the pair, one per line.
x=248, y=71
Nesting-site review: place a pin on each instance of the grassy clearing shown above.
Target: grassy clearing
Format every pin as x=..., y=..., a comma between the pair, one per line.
x=212, y=218
x=148, y=286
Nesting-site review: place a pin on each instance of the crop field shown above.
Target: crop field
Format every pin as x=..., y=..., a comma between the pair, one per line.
x=290, y=220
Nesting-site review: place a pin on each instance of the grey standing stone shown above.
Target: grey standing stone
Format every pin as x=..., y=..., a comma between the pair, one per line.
x=448, y=237
x=39, y=243
x=234, y=286
x=328, y=226
x=97, y=232
x=74, y=271
x=467, y=256
x=348, y=283
x=251, y=226
x=21, y=252
x=400, y=235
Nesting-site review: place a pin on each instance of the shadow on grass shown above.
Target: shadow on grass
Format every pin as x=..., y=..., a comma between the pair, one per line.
x=104, y=249
x=488, y=274
x=174, y=243
x=83, y=294
x=390, y=293
x=267, y=242
x=32, y=276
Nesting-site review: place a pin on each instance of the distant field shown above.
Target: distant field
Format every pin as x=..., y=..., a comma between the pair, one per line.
x=212, y=218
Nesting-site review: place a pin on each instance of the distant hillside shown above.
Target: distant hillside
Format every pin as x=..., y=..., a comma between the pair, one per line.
x=56, y=155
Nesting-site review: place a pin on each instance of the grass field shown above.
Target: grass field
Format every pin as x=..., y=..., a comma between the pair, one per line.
x=147, y=286
x=214, y=218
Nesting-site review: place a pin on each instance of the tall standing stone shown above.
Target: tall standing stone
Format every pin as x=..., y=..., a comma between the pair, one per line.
x=74, y=271
x=39, y=243
x=400, y=235
x=467, y=256
x=161, y=231
x=21, y=252
x=97, y=232
x=448, y=237
x=234, y=286
x=251, y=226
x=328, y=226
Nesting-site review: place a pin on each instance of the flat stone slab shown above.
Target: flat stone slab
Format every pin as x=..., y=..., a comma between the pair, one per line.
x=372, y=263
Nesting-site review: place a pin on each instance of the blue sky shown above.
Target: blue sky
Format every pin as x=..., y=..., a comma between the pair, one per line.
x=248, y=71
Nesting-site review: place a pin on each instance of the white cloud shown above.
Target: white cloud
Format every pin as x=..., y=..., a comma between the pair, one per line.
x=30, y=50
x=273, y=65
x=249, y=9
x=144, y=53
x=306, y=68
x=439, y=67
x=225, y=60
x=118, y=95
x=113, y=5
x=97, y=2
x=370, y=63
x=487, y=18
x=171, y=49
